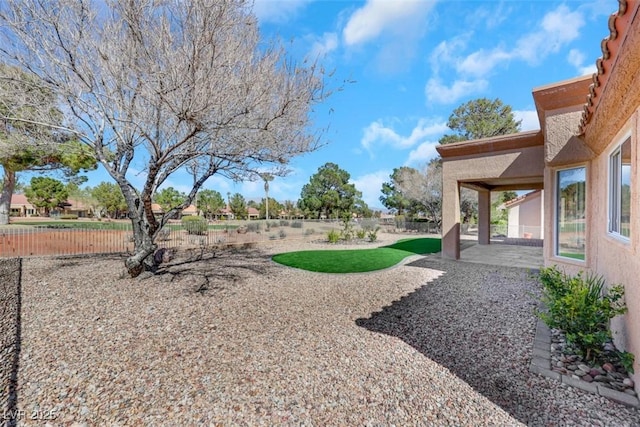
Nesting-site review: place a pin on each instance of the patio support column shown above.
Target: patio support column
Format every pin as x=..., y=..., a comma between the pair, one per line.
x=484, y=217
x=450, y=216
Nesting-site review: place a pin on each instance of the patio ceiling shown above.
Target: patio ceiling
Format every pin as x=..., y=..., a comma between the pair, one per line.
x=510, y=184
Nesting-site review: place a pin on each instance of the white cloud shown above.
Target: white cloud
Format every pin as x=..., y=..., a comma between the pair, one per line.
x=323, y=45
x=558, y=28
x=378, y=133
x=529, y=119
x=278, y=11
x=481, y=62
x=379, y=16
x=422, y=154
x=438, y=92
x=576, y=58
x=370, y=186
x=446, y=53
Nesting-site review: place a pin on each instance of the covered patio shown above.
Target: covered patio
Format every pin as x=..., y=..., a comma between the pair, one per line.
x=504, y=163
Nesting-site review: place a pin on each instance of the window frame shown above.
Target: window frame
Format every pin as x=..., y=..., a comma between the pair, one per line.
x=556, y=215
x=614, y=190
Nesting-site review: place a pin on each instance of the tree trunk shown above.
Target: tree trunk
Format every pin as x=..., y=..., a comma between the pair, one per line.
x=144, y=247
x=8, y=186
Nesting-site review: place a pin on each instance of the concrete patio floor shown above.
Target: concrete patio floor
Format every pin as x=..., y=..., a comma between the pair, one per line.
x=498, y=253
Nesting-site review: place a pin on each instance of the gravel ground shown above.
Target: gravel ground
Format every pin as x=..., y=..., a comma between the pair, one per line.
x=235, y=339
x=10, y=270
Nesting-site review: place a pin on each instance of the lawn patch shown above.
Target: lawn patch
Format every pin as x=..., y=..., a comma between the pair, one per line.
x=358, y=260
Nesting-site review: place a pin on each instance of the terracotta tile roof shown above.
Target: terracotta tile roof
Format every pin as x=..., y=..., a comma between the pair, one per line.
x=521, y=199
x=19, y=199
x=191, y=209
x=618, y=26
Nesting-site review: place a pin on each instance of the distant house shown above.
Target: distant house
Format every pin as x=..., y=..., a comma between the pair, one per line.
x=190, y=210
x=526, y=216
x=75, y=207
x=225, y=213
x=21, y=207
x=253, y=213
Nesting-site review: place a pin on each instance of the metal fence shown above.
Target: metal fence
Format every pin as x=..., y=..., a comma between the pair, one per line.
x=63, y=237
x=92, y=237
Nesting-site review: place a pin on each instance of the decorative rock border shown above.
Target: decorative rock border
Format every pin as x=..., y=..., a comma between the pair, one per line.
x=541, y=365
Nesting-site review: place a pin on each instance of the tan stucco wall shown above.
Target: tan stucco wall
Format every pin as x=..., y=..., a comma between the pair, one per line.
x=526, y=217
x=617, y=260
x=526, y=162
x=560, y=143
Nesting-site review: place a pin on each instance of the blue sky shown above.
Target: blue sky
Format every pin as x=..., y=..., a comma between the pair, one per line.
x=413, y=63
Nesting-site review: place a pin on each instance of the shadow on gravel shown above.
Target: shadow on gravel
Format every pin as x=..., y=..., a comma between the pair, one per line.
x=215, y=270
x=10, y=336
x=478, y=321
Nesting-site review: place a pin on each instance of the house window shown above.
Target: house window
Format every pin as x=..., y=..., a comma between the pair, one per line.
x=620, y=190
x=570, y=216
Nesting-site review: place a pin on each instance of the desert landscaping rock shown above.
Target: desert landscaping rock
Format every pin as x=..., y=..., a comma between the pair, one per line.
x=429, y=342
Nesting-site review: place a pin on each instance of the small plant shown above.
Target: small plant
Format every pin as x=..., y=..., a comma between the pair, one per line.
x=273, y=237
x=626, y=359
x=195, y=225
x=361, y=233
x=580, y=307
x=68, y=216
x=372, y=235
x=254, y=227
x=309, y=231
x=283, y=234
x=333, y=236
x=296, y=224
x=347, y=228
x=284, y=223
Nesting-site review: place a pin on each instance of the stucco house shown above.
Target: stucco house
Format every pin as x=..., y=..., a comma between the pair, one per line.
x=21, y=207
x=585, y=157
x=525, y=216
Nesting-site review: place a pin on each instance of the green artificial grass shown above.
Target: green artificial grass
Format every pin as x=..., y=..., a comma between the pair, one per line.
x=358, y=260
x=572, y=255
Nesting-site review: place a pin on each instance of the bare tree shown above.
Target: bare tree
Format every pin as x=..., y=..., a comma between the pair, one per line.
x=166, y=85
x=423, y=187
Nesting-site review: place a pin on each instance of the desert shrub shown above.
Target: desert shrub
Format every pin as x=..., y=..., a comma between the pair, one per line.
x=284, y=223
x=68, y=216
x=361, y=233
x=273, y=224
x=282, y=234
x=273, y=237
x=347, y=227
x=333, y=236
x=195, y=225
x=372, y=235
x=296, y=224
x=309, y=231
x=254, y=227
x=581, y=307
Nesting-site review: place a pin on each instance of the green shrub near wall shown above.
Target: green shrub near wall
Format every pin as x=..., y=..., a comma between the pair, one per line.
x=582, y=307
